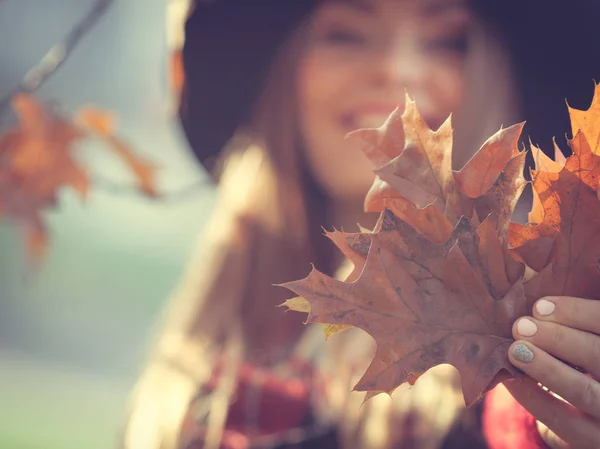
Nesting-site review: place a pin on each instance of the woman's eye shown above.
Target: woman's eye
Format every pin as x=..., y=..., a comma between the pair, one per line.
x=344, y=37
x=455, y=44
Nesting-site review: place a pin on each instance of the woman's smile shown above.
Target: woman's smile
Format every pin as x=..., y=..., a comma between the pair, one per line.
x=367, y=116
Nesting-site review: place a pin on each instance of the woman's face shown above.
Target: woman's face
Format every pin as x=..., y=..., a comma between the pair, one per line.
x=360, y=59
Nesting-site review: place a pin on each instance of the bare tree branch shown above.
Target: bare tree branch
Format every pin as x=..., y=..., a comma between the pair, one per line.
x=181, y=194
x=51, y=62
x=57, y=55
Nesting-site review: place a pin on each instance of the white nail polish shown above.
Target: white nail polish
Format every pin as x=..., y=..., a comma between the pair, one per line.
x=545, y=307
x=526, y=327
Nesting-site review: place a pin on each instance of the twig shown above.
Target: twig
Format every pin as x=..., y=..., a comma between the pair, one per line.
x=56, y=56
x=180, y=194
x=51, y=62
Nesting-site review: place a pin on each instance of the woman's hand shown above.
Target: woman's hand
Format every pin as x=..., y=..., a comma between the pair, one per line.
x=562, y=331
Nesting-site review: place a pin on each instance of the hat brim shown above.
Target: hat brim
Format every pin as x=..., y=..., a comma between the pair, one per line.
x=228, y=49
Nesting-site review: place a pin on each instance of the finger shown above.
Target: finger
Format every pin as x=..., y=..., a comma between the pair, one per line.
x=550, y=438
x=579, y=348
x=564, y=420
x=575, y=387
x=578, y=313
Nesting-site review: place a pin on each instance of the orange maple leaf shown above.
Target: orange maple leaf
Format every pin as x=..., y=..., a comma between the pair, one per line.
x=432, y=284
x=39, y=150
x=562, y=241
x=103, y=124
x=19, y=206
x=424, y=304
x=37, y=159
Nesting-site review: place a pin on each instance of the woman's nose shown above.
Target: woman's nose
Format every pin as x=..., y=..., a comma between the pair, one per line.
x=397, y=66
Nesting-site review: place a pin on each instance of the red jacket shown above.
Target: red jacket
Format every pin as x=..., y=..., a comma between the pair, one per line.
x=507, y=425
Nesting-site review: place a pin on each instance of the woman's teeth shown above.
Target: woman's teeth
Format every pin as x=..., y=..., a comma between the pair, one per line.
x=370, y=120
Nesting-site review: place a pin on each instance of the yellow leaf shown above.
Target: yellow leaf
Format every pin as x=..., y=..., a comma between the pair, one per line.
x=297, y=304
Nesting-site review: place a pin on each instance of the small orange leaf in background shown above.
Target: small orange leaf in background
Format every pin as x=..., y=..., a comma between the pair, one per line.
x=37, y=159
x=42, y=152
x=103, y=124
x=442, y=276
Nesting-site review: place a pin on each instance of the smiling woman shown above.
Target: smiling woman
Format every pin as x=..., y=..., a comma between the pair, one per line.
x=360, y=59
x=270, y=90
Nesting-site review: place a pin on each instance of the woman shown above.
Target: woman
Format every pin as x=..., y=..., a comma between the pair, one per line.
x=277, y=85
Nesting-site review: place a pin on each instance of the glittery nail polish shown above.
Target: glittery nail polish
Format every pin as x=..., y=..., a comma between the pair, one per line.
x=522, y=353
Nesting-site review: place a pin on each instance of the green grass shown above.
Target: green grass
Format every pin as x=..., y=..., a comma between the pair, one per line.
x=45, y=407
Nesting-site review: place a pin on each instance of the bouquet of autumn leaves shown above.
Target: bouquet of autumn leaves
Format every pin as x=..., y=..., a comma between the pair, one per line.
x=445, y=273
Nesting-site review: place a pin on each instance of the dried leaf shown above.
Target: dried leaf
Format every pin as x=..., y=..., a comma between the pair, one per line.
x=443, y=277
x=41, y=149
x=416, y=327
x=103, y=123
x=421, y=174
x=565, y=246
x=25, y=210
x=481, y=172
x=37, y=159
x=145, y=172
x=298, y=304
x=429, y=221
x=588, y=122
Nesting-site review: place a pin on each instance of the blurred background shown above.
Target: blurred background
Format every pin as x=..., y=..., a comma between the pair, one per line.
x=74, y=337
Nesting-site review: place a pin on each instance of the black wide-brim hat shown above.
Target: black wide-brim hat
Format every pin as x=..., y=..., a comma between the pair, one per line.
x=230, y=44
x=228, y=49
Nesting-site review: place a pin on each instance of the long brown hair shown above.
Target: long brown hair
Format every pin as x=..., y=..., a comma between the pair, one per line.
x=266, y=229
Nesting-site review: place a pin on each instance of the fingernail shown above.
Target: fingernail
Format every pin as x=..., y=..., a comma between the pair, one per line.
x=545, y=307
x=526, y=328
x=522, y=353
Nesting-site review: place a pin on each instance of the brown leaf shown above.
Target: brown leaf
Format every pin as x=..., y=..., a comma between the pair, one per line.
x=482, y=170
x=429, y=221
x=421, y=172
x=502, y=197
x=36, y=237
x=424, y=162
x=25, y=210
x=380, y=192
x=103, y=124
x=40, y=149
x=37, y=159
x=355, y=247
x=414, y=328
x=425, y=166
x=429, y=294
x=145, y=172
x=438, y=284
x=565, y=246
x=491, y=251
x=384, y=143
